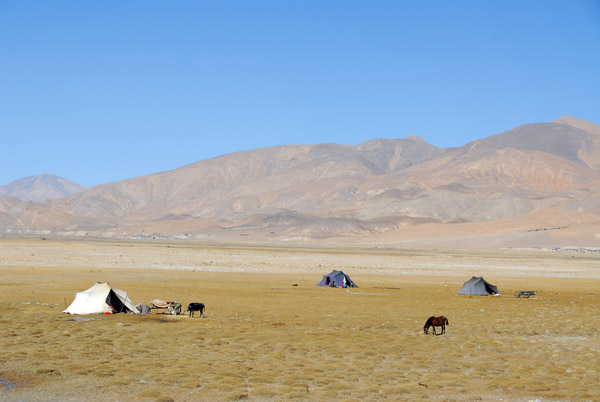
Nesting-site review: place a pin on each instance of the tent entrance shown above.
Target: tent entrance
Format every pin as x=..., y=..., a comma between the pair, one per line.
x=115, y=302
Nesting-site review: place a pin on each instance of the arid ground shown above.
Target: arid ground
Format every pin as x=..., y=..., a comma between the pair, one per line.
x=270, y=334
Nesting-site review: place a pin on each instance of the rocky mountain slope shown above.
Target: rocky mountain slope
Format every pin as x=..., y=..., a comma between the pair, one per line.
x=542, y=177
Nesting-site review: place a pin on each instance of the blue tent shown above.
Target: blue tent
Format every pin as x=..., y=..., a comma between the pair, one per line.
x=337, y=279
x=477, y=286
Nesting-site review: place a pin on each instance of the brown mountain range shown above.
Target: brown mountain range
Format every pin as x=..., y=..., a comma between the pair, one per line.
x=535, y=185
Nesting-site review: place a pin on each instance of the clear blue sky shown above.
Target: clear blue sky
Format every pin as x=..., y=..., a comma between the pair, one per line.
x=101, y=91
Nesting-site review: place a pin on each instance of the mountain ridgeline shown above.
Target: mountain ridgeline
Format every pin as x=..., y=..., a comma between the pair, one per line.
x=538, y=181
x=40, y=188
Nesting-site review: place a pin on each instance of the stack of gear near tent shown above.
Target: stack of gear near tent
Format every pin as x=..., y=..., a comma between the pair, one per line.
x=337, y=279
x=101, y=299
x=477, y=286
x=173, y=308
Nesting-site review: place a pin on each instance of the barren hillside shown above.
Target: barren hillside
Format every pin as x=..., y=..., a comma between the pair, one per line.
x=40, y=188
x=381, y=190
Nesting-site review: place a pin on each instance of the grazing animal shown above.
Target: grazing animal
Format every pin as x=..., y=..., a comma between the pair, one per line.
x=195, y=307
x=440, y=321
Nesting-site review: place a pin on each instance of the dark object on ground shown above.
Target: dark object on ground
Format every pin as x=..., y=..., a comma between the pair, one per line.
x=143, y=308
x=440, y=321
x=524, y=293
x=192, y=307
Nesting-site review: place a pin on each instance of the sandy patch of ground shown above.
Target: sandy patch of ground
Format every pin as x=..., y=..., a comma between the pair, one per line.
x=265, y=339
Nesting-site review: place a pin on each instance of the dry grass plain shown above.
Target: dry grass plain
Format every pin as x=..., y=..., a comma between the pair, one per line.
x=265, y=339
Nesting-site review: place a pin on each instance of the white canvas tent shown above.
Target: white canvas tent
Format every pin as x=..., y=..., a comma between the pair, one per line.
x=101, y=298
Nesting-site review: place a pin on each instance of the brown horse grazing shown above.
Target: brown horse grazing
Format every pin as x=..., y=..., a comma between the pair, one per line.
x=440, y=321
